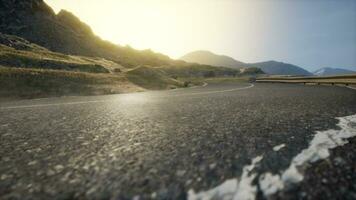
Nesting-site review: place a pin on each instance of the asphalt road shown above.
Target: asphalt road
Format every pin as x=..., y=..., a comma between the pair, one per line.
x=161, y=144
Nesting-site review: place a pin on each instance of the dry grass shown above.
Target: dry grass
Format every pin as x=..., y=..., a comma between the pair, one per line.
x=33, y=83
x=44, y=59
x=152, y=78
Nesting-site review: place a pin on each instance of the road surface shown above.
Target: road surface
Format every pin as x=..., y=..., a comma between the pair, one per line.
x=163, y=144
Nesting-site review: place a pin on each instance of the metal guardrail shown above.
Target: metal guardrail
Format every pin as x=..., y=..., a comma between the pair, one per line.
x=332, y=80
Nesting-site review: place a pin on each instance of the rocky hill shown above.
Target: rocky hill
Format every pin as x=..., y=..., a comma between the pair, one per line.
x=30, y=70
x=46, y=54
x=35, y=21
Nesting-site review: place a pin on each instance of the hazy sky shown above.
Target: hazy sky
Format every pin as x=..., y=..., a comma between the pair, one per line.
x=312, y=34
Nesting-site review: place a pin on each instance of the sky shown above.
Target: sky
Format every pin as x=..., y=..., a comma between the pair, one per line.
x=311, y=34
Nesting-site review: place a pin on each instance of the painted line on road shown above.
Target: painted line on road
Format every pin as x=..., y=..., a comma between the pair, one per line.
x=318, y=149
x=270, y=184
x=353, y=88
x=111, y=100
x=54, y=104
x=231, y=189
x=350, y=87
x=197, y=86
x=213, y=92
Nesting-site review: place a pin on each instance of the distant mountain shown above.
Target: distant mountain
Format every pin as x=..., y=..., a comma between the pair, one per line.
x=327, y=71
x=280, y=68
x=209, y=58
x=269, y=67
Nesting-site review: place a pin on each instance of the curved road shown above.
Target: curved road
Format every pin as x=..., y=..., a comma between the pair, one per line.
x=161, y=144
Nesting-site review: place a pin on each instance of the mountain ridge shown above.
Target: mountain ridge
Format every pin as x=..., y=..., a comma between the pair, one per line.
x=269, y=67
x=280, y=68
x=206, y=57
x=329, y=71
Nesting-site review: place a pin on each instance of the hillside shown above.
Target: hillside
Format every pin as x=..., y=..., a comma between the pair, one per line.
x=30, y=70
x=24, y=62
x=36, y=43
x=327, y=71
x=269, y=67
x=36, y=22
x=209, y=58
x=18, y=52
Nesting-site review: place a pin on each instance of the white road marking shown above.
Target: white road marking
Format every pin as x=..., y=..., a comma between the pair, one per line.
x=197, y=86
x=111, y=100
x=205, y=84
x=318, y=150
x=350, y=87
x=214, y=92
x=353, y=88
x=233, y=189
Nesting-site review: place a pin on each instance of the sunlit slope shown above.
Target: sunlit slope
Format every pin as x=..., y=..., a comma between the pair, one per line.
x=18, y=52
x=35, y=21
x=36, y=83
x=30, y=70
x=48, y=45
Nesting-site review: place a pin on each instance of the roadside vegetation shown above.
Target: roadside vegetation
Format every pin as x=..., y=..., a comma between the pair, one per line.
x=152, y=78
x=35, y=83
